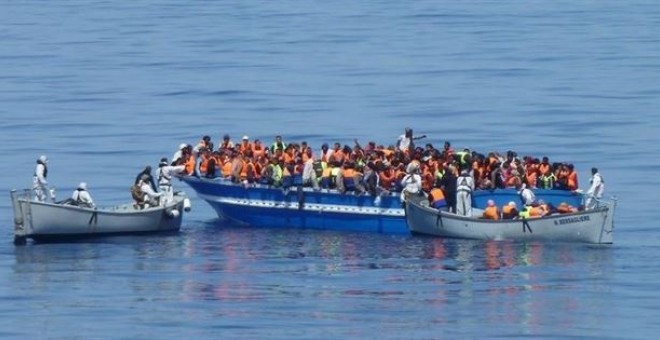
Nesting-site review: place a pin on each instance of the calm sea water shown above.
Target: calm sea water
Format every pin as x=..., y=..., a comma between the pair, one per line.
x=105, y=88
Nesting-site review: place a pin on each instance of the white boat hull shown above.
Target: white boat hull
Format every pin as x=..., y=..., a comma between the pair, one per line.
x=42, y=220
x=593, y=226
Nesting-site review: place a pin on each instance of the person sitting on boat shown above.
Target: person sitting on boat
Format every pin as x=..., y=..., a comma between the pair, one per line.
x=177, y=155
x=226, y=144
x=464, y=188
x=565, y=208
x=205, y=143
x=491, y=212
x=277, y=145
x=509, y=211
x=149, y=196
x=437, y=198
x=411, y=182
x=536, y=209
x=81, y=197
x=150, y=178
x=39, y=182
x=371, y=179
x=596, y=189
x=165, y=174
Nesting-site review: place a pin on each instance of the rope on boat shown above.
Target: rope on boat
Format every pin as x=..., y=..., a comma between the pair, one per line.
x=525, y=226
x=93, y=219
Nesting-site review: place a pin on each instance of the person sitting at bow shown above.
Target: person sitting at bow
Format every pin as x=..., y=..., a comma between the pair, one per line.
x=81, y=197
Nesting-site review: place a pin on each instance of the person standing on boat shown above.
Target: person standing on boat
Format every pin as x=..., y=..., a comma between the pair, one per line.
x=165, y=174
x=464, y=188
x=596, y=189
x=309, y=177
x=526, y=194
x=405, y=142
x=81, y=196
x=39, y=182
x=449, y=184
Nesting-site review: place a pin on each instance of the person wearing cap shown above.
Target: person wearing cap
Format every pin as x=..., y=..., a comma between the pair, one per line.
x=245, y=145
x=464, y=188
x=165, y=174
x=39, y=182
x=510, y=211
x=491, y=212
x=178, y=154
x=81, y=196
x=411, y=182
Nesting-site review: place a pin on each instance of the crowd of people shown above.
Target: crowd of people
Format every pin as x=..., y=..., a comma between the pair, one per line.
x=446, y=176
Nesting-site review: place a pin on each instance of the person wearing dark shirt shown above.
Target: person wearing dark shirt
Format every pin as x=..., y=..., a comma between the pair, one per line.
x=449, y=185
x=146, y=171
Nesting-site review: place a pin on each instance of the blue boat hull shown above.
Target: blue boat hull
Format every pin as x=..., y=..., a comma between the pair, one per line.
x=268, y=207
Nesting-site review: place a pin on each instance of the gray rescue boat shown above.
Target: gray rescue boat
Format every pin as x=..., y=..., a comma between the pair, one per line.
x=594, y=226
x=43, y=221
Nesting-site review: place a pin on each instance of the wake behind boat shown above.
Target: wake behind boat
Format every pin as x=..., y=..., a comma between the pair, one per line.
x=591, y=226
x=48, y=221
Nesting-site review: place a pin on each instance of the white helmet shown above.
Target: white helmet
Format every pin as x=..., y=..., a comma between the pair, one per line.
x=182, y=146
x=43, y=159
x=82, y=186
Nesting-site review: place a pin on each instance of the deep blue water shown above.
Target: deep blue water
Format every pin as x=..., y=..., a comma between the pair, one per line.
x=106, y=87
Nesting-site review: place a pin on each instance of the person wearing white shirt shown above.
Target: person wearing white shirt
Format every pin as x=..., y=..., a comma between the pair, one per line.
x=39, y=182
x=464, y=188
x=596, y=189
x=526, y=195
x=150, y=197
x=81, y=196
x=411, y=182
x=309, y=174
x=165, y=174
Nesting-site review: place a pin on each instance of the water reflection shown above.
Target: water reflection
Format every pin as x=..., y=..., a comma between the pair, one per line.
x=243, y=273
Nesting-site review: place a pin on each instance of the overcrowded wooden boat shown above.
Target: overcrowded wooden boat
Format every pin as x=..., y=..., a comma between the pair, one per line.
x=43, y=221
x=590, y=226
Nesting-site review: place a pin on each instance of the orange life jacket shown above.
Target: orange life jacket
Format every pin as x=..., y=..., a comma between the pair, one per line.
x=258, y=150
x=245, y=146
x=190, y=165
x=204, y=164
x=508, y=212
x=491, y=213
x=386, y=179
x=244, y=169
x=226, y=168
x=436, y=194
